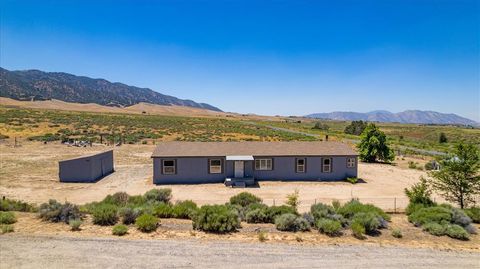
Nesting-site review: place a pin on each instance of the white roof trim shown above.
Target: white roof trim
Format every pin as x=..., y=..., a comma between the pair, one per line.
x=240, y=158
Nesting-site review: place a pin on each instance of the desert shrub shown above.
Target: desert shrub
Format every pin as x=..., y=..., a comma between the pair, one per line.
x=216, y=218
x=118, y=199
x=238, y=209
x=160, y=195
x=146, y=223
x=470, y=229
x=274, y=211
x=137, y=200
x=329, y=227
x=129, y=215
x=473, y=213
x=163, y=210
x=75, y=224
x=352, y=180
x=257, y=215
x=6, y=228
x=413, y=207
x=309, y=218
x=459, y=217
x=412, y=165
x=7, y=218
x=262, y=236
x=16, y=205
x=434, y=228
x=457, y=232
x=245, y=199
x=56, y=212
x=436, y=214
x=105, y=214
x=320, y=211
x=369, y=221
x=354, y=207
x=397, y=233
x=336, y=204
x=119, y=230
x=184, y=209
x=420, y=193
x=358, y=230
x=429, y=166
x=291, y=222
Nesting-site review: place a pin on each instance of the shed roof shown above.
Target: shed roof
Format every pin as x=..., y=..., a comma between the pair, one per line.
x=297, y=148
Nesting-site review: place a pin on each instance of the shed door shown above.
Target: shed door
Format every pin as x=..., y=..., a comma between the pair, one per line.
x=239, y=169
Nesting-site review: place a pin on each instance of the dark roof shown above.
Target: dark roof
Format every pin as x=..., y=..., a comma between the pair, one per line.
x=297, y=148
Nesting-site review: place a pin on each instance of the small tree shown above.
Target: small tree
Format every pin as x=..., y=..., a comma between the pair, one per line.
x=373, y=145
x=355, y=127
x=320, y=126
x=293, y=199
x=442, y=138
x=458, y=179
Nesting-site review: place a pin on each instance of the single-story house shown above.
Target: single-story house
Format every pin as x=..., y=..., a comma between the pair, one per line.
x=89, y=168
x=209, y=162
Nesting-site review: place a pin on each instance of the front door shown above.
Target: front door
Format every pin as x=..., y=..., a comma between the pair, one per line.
x=239, y=169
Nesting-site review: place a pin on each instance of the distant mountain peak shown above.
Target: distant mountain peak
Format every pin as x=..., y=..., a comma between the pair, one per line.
x=407, y=116
x=39, y=85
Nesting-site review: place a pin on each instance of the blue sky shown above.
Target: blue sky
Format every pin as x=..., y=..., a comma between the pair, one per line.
x=265, y=57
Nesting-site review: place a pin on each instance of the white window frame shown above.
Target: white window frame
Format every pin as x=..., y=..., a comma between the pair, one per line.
x=351, y=162
x=215, y=169
x=300, y=168
x=264, y=164
x=173, y=168
x=327, y=168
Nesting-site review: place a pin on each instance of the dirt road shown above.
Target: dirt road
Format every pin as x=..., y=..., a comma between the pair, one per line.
x=65, y=252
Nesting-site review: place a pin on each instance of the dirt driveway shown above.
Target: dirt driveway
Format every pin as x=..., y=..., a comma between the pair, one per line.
x=66, y=252
x=30, y=173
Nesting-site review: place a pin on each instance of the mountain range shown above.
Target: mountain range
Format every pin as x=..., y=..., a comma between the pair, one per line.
x=39, y=85
x=408, y=116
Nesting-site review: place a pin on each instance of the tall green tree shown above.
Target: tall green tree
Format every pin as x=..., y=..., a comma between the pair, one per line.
x=373, y=145
x=458, y=180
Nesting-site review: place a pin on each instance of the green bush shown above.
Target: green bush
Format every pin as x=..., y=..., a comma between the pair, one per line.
x=105, y=214
x=258, y=215
x=75, y=224
x=6, y=228
x=320, y=211
x=329, y=227
x=291, y=222
x=118, y=199
x=436, y=214
x=354, y=207
x=16, y=205
x=457, y=232
x=119, y=230
x=434, y=228
x=7, y=218
x=358, y=230
x=129, y=215
x=184, y=209
x=137, y=200
x=420, y=193
x=274, y=211
x=160, y=195
x=473, y=213
x=352, y=180
x=459, y=217
x=163, y=210
x=245, y=199
x=412, y=207
x=216, y=218
x=368, y=220
x=56, y=212
x=397, y=233
x=147, y=223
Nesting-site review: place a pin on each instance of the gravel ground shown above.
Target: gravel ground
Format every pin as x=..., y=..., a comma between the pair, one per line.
x=66, y=252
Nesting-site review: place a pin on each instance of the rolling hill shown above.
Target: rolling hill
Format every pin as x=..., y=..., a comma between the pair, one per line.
x=38, y=85
x=408, y=116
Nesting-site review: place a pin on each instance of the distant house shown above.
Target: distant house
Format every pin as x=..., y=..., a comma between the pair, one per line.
x=244, y=162
x=89, y=168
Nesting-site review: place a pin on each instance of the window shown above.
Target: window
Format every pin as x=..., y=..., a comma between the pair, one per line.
x=263, y=164
x=215, y=166
x=300, y=166
x=169, y=167
x=327, y=165
x=350, y=162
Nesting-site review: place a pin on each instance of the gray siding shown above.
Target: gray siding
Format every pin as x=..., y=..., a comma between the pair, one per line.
x=195, y=170
x=86, y=169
